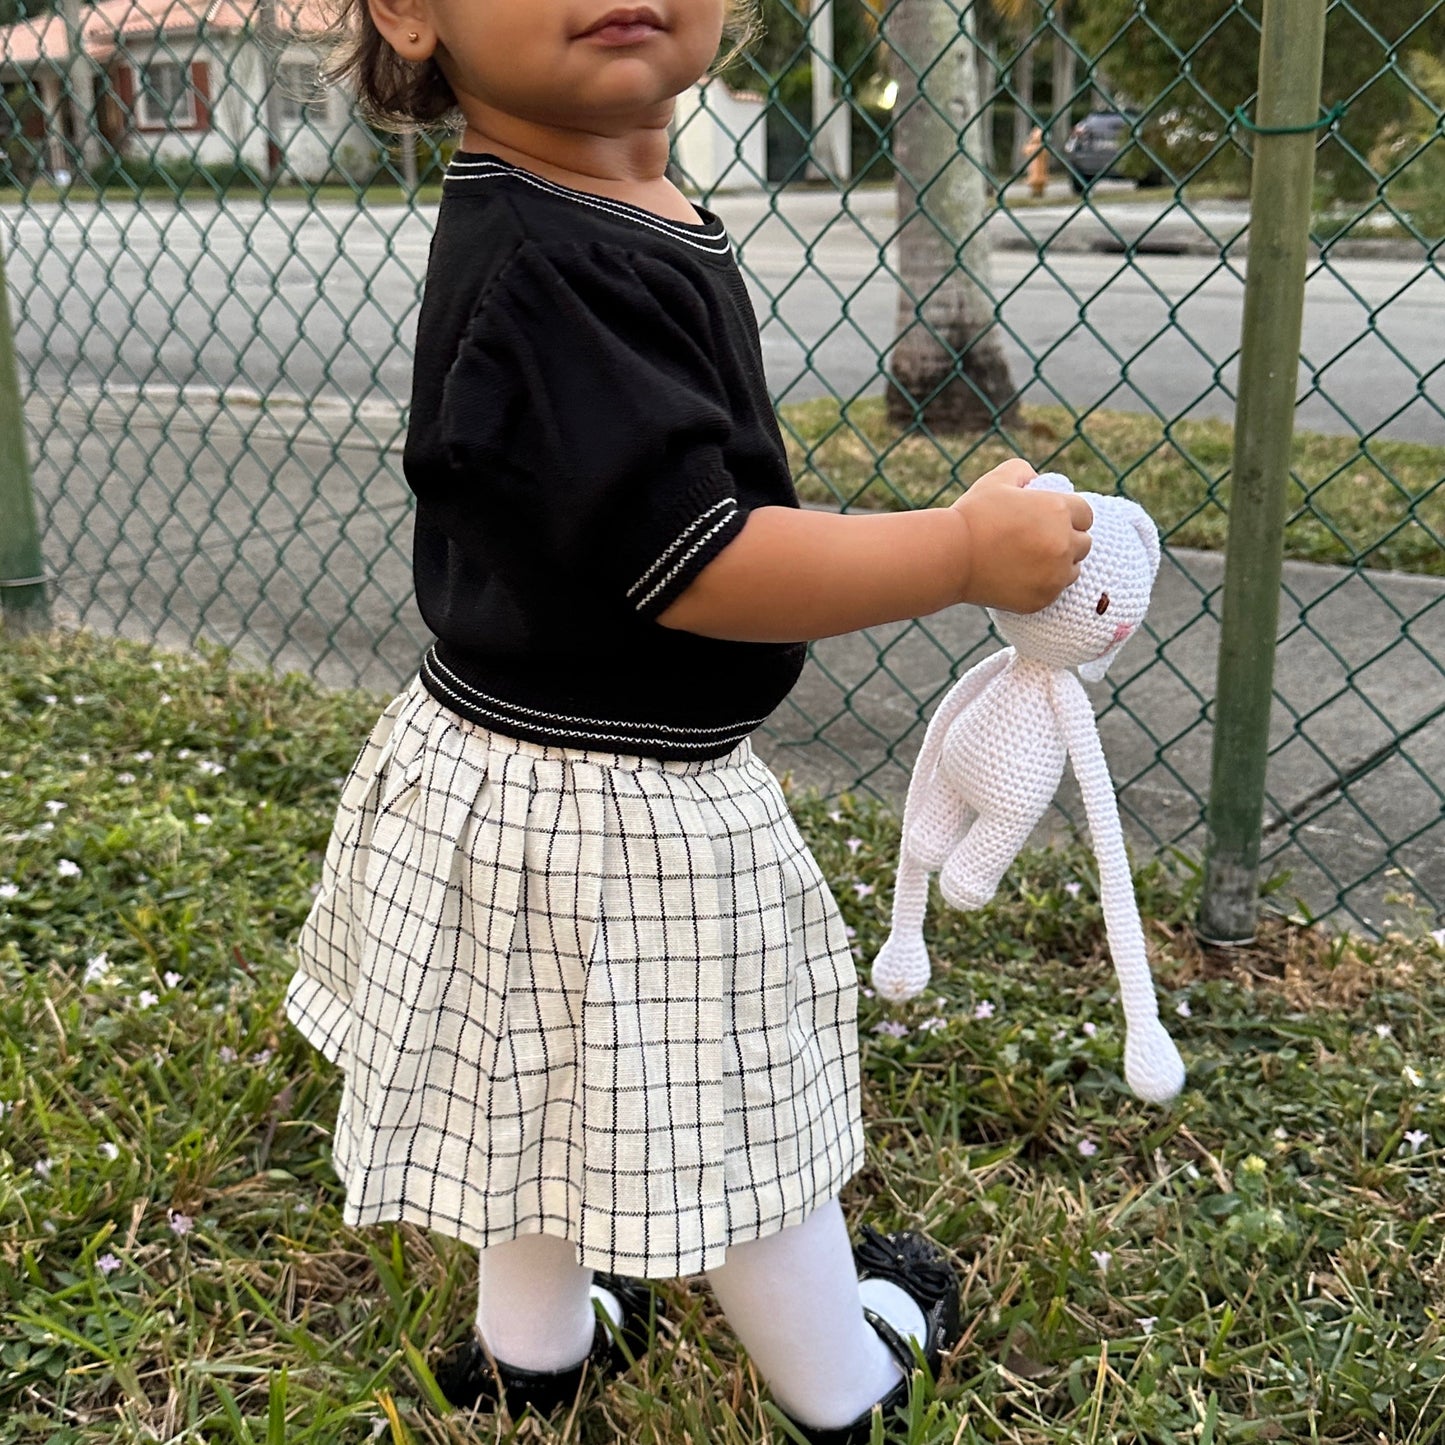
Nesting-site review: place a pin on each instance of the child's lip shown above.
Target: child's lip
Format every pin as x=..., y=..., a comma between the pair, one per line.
x=627, y=18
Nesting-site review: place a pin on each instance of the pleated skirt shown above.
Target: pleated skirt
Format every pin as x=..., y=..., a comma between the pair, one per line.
x=575, y=993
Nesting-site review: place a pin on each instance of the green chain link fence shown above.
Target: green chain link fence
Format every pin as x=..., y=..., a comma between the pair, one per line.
x=215, y=269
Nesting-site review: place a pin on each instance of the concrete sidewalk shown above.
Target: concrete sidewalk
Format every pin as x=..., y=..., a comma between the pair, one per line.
x=286, y=535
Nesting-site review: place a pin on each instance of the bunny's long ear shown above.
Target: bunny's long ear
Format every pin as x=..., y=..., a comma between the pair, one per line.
x=1143, y=524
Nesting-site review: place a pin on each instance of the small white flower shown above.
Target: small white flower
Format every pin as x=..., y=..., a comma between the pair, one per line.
x=863, y=889
x=1073, y=889
x=853, y=845
x=107, y=1150
x=213, y=770
x=1088, y=1148
x=1411, y=1077
x=1091, y=1029
x=866, y=992
x=146, y=999
x=80, y=700
x=226, y=1054
x=315, y=889
x=984, y=1010
x=203, y=820
x=1147, y=1323
x=82, y=757
x=43, y=1167
x=183, y=753
x=378, y=1426
x=835, y=817
x=929, y=1026
x=1281, y=1133
x=181, y=1224
x=41, y=829
x=849, y=931
x=1182, y=1009
x=891, y=1027
x=145, y=756
x=263, y=1057
x=49, y=699
x=97, y=968
x=68, y=868
x=1437, y=935
x=107, y=1264
x=9, y=890
x=172, y=978
x=1415, y=1138
x=125, y=777
x=1384, y=1030
x=48, y=1225
x=165, y=697
x=1191, y=1171
x=158, y=667
x=54, y=806
x=1102, y=1258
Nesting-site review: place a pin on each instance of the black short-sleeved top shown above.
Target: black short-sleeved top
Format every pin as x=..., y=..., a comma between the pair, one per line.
x=590, y=426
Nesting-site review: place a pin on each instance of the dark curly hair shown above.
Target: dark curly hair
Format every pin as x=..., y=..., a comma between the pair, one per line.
x=397, y=94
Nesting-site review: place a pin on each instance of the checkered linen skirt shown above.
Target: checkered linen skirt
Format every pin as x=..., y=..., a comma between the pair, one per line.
x=577, y=993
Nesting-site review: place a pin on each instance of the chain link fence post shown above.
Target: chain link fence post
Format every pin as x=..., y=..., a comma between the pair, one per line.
x=1291, y=63
x=23, y=602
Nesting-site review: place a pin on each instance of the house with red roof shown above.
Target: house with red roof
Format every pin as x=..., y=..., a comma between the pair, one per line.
x=176, y=79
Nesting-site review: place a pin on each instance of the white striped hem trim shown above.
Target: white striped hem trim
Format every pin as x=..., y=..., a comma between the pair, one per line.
x=679, y=540
x=716, y=244
x=590, y=731
x=687, y=557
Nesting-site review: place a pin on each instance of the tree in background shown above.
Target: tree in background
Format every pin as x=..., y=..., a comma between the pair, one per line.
x=1187, y=112
x=947, y=364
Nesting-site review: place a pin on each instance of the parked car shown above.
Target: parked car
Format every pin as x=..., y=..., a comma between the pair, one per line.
x=1097, y=145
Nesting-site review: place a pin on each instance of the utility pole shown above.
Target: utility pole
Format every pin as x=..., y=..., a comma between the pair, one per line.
x=269, y=36
x=80, y=85
x=831, y=148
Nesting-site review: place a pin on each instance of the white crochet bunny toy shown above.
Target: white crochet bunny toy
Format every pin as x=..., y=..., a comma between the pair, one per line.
x=993, y=757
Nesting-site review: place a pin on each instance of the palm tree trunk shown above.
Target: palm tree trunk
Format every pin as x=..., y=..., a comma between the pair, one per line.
x=1065, y=78
x=947, y=364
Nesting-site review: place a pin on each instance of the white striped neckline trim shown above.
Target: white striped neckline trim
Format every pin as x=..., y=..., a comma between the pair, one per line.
x=710, y=236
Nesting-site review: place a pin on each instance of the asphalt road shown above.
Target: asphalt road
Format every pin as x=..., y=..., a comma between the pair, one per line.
x=180, y=512
x=321, y=302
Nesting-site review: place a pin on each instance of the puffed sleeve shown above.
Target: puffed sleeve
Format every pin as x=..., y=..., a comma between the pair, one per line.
x=586, y=419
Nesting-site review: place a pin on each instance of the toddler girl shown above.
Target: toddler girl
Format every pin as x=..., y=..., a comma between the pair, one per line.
x=593, y=1003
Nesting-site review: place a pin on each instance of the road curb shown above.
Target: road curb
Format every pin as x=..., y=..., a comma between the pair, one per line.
x=1165, y=244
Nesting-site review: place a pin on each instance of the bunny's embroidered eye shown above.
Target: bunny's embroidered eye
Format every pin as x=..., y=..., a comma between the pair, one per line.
x=1103, y=606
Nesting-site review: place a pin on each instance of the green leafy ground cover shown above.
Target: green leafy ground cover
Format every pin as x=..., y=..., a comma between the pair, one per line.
x=1263, y=1261
x=1378, y=503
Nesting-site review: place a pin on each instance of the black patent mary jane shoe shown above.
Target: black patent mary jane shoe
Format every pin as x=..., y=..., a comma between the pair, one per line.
x=470, y=1380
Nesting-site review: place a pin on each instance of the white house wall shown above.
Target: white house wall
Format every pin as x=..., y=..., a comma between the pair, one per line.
x=721, y=138
x=313, y=144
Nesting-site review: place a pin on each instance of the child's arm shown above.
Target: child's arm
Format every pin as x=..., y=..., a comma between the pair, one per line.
x=793, y=576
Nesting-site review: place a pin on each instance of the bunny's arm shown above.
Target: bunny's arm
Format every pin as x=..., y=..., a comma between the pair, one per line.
x=1152, y=1064
x=932, y=820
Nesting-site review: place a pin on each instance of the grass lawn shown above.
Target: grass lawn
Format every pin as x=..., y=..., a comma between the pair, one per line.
x=1381, y=504
x=1263, y=1261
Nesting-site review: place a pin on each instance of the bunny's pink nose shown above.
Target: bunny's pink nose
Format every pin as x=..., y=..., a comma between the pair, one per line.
x=1122, y=631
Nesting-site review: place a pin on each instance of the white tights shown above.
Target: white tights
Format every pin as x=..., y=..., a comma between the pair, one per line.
x=792, y=1298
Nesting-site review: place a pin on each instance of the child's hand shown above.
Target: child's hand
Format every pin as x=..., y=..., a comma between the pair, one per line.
x=1024, y=547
